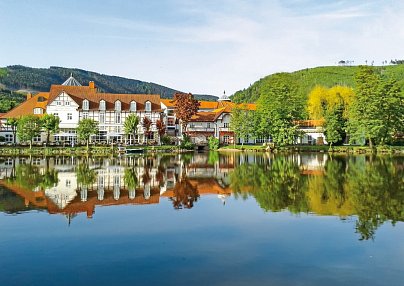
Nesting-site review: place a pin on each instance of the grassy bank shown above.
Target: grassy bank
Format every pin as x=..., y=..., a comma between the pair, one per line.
x=319, y=148
x=79, y=150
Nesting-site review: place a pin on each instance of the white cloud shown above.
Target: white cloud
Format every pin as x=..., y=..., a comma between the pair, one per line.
x=209, y=46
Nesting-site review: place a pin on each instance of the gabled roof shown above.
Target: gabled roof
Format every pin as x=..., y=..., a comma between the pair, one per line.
x=79, y=93
x=39, y=100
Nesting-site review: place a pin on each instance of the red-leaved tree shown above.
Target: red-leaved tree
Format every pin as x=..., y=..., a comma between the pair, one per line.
x=146, y=127
x=161, y=128
x=185, y=107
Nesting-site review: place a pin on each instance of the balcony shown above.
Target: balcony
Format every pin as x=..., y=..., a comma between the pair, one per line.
x=200, y=129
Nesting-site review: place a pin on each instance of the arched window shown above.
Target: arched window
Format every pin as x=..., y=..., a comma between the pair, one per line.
x=86, y=105
x=117, y=105
x=132, y=106
x=102, y=104
x=148, y=106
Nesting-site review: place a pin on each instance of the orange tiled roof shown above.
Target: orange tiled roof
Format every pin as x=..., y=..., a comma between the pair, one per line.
x=214, y=104
x=39, y=100
x=204, y=117
x=79, y=93
x=168, y=102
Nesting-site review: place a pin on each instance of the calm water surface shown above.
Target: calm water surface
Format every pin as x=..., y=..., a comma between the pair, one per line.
x=202, y=219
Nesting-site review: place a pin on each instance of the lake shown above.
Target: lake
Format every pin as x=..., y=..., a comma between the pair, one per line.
x=202, y=219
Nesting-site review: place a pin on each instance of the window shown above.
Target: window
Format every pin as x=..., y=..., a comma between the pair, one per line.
x=102, y=117
x=85, y=104
x=226, y=125
x=38, y=110
x=192, y=125
x=148, y=106
x=117, y=117
x=117, y=105
x=226, y=139
x=37, y=139
x=9, y=137
x=85, y=115
x=69, y=116
x=170, y=122
x=58, y=103
x=208, y=125
x=67, y=102
x=133, y=106
x=56, y=114
x=102, y=105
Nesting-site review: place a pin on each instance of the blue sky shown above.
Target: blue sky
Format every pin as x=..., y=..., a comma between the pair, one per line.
x=199, y=46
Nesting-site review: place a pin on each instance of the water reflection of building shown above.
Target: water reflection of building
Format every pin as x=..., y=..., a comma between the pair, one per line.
x=80, y=184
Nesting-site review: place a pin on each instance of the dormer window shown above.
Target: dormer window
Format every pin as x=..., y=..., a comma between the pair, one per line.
x=117, y=105
x=102, y=104
x=85, y=104
x=133, y=106
x=38, y=110
x=148, y=106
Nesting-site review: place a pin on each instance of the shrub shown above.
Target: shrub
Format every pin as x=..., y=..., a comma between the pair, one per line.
x=186, y=143
x=166, y=140
x=213, y=143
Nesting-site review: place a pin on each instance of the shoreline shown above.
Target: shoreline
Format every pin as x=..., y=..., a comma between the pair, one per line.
x=113, y=150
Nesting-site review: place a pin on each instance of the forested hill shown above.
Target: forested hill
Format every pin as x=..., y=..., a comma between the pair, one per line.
x=307, y=79
x=17, y=78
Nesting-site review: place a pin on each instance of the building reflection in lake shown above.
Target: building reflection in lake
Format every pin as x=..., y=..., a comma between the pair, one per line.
x=80, y=184
x=372, y=188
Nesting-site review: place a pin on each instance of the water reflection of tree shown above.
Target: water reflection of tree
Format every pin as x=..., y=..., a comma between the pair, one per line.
x=130, y=178
x=377, y=190
x=86, y=176
x=371, y=188
x=275, y=186
x=30, y=177
x=185, y=194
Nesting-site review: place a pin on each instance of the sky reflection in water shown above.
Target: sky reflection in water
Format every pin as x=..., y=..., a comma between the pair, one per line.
x=205, y=219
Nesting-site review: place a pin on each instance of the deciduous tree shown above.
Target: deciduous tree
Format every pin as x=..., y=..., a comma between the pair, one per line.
x=50, y=124
x=29, y=126
x=146, y=127
x=242, y=122
x=278, y=108
x=185, y=107
x=12, y=123
x=86, y=128
x=131, y=125
x=161, y=129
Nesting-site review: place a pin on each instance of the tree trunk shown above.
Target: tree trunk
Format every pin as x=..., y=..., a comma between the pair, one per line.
x=88, y=140
x=370, y=143
x=47, y=137
x=30, y=144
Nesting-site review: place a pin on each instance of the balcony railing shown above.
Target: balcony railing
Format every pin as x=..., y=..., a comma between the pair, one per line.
x=200, y=129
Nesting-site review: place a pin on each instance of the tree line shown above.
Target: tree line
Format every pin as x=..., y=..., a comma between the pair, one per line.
x=372, y=112
x=28, y=127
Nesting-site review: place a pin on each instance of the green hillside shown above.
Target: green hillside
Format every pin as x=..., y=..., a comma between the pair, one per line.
x=21, y=78
x=308, y=78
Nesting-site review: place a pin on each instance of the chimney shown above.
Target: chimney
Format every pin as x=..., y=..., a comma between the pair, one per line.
x=29, y=95
x=91, y=85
